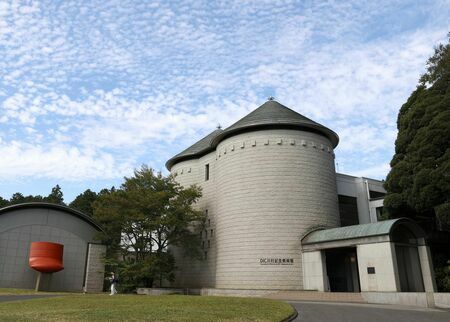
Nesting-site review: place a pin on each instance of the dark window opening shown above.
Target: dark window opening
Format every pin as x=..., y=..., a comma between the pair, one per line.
x=348, y=210
x=206, y=255
x=209, y=244
x=376, y=194
x=206, y=172
x=211, y=234
x=379, y=211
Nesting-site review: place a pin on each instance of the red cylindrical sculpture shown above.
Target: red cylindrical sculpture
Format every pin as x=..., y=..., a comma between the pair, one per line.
x=46, y=257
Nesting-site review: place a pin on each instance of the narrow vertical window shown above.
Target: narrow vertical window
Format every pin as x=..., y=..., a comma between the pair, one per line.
x=207, y=172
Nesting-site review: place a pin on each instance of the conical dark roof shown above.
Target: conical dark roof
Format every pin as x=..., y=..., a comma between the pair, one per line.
x=275, y=115
x=270, y=115
x=196, y=150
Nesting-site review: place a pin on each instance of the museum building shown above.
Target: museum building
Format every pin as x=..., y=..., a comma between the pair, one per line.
x=22, y=225
x=279, y=217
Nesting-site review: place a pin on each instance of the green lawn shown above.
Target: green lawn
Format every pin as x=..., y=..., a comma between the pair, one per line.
x=17, y=291
x=102, y=307
x=22, y=291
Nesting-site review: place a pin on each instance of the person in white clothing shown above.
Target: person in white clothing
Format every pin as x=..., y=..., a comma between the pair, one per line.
x=113, y=281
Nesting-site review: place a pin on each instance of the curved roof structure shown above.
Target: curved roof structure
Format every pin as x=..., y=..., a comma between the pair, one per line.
x=73, y=212
x=195, y=151
x=268, y=116
x=275, y=115
x=384, y=227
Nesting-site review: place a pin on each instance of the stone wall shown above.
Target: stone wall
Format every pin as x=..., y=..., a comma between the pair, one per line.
x=191, y=272
x=95, y=268
x=272, y=187
x=265, y=190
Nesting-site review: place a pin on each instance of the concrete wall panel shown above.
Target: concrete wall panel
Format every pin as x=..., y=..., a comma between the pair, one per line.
x=380, y=256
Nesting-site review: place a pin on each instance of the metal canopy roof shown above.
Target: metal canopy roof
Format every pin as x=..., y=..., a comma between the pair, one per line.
x=73, y=212
x=384, y=227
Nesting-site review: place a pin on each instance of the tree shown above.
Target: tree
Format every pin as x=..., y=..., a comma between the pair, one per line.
x=84, y=202
x=142, y=219
x=438, y=65
x=3, y=202
x=418, y=185
x=20, y=198
x=56, y=196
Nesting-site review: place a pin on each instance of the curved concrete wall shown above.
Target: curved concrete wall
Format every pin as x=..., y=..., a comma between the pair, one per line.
x=18, y=228
x=266, y=189
x=272, y=187
x=190, y=272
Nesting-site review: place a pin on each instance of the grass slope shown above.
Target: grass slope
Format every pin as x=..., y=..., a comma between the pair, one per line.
x=15, y=291
x=101, y=307
x=24, y=291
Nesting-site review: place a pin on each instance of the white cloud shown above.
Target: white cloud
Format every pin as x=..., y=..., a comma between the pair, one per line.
x=104, y=86
x=58, y=162
x=377, y=172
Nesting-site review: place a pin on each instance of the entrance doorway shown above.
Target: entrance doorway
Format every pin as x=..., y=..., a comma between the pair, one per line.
x=408, y=262
x=342, y=269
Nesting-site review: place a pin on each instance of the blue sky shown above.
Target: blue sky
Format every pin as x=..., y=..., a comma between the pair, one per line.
x=90, y=90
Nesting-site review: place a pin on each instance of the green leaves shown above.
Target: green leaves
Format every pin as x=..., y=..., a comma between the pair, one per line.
x=418, y=184
x=438, y=65
x=84, y=201
x=56, y=197
x=443, y=216
x=142, y=219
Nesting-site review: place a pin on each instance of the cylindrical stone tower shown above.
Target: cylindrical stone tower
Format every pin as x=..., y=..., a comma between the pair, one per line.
x=189, y=168
x=274, y=181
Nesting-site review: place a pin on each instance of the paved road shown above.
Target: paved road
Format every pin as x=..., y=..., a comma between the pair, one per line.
x=346, y=312
x=8, y=298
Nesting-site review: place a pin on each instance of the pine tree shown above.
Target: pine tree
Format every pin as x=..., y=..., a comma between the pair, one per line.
x=18, y=198
x=3, y=202
x=418, y=184
x=84, y=202
x=56, y=196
